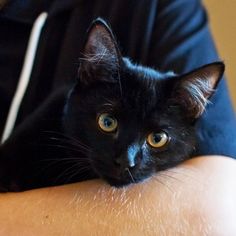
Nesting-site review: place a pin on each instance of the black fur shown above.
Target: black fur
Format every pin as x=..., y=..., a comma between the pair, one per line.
x=62, y=143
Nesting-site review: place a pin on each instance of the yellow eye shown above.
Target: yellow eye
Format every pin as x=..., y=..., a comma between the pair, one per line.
x=107, y=122
x=157, y=140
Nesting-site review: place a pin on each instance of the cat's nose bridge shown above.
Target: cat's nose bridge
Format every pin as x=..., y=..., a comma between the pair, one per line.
x=129, y=157
x=132, y=152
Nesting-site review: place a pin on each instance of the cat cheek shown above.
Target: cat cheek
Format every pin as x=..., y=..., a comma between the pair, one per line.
x=147, y=157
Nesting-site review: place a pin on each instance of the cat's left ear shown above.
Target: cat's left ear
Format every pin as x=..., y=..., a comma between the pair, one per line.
x=101, y=57
x=193, y=90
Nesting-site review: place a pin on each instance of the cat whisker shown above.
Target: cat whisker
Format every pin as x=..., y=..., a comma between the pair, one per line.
x=170, y=177
x=65, y=160
x=164, y=184
x=53, y=164
x=131, y=176
x=67, y=137
x=78, y=171
x=75, y=145
x=183, y=174
x=65, y=172
x=74, y=172
x=69, y=141
x=66, y=148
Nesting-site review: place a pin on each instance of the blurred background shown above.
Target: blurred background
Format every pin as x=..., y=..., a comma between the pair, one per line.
x=222, y=18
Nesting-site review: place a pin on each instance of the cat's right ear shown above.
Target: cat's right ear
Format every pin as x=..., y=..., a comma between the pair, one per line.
x=193, y=90
x=101, y=57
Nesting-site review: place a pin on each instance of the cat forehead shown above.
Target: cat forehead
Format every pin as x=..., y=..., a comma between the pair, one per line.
x=143, y=85
x=137, y=102
x=141, y=90
x=146, y=73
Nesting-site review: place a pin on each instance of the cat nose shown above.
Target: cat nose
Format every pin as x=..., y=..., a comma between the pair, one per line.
x=123, y=163
x=129, y=159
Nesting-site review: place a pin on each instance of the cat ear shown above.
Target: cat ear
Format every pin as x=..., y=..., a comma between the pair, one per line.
x=193, y=90
x=101, y=57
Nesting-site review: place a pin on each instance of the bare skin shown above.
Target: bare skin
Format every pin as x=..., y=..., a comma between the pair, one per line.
x=195, y=198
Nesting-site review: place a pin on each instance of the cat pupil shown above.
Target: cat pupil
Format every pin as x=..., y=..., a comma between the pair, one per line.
x=107, y=122
x=157, y=138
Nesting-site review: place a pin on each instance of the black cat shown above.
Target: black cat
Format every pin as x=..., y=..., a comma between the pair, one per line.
x=120, y=121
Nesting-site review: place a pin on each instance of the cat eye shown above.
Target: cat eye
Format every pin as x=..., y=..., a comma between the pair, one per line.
x=158, y=140
x=107, y=123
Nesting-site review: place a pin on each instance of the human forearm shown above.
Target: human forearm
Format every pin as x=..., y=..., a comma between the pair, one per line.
x=192, y=199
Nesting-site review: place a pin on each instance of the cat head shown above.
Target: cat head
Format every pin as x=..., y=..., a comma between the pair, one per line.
x=133, y=120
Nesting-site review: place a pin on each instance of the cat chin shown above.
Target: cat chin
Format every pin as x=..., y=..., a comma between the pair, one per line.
x=119, y=183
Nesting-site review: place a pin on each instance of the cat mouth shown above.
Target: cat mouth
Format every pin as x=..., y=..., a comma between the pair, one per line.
x=124, y=179
x=116, y=177
x=119, y=182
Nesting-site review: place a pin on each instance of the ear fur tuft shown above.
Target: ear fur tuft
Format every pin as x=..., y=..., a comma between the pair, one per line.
x=194, y=89
x=101, y=56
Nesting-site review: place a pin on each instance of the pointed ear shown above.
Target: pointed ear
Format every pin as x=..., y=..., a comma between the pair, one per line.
x=193, y=90
x=101, y=57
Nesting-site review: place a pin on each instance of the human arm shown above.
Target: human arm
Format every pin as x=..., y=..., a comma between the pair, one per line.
x=195, y=198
